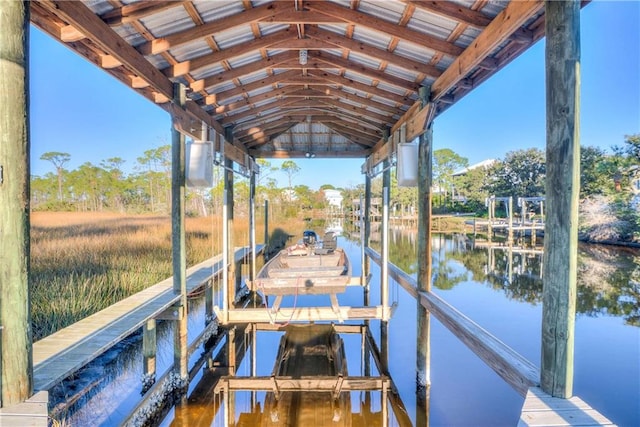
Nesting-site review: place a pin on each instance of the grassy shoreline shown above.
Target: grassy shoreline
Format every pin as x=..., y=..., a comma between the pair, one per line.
x=83, y=262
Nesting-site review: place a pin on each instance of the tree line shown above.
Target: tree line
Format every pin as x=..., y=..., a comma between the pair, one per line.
x=520, y=173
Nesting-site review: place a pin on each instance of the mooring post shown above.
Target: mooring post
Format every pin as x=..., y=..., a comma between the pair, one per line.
x=425, y=180
x=229, y=278
x=384, y=264
x=149, y=349
x=562, y=54
x=16, y=363
x=266, y=228
x=252, y=227
x=178, y=237
x=510, y=208
x=366, y=218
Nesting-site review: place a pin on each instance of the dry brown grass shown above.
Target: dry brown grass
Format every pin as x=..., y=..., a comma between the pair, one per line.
x=84, y=262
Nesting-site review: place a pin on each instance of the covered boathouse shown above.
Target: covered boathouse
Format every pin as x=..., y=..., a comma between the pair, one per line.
x=287, y=79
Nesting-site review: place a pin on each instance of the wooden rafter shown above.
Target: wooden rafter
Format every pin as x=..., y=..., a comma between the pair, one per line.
x=372, y=22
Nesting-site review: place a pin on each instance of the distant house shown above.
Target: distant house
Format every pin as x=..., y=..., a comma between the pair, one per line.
x=334, y=198
x=486, y=164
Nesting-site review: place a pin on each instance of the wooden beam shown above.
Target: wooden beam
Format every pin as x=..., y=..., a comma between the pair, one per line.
x=256, y=111
x=454, y=12
x=517, y=371
x=501, y=28
x=135, y=11
x=337, y=79
x=353, y=128
x=365, y=71
x=244, y=70
x=293, y=16
x=300, y=44
x=276, y=93
x=282, y=154
x=327, y=112
x=340, y=41
x=195, y=64
x=180, y=38
x=249, y=87
x=16, y=365
x=357, y=110
x=403, y=33
x=81, y=17
x=274, y=133
x=356, y=137
x=340, y=94
x=303, y=383
x=562, y=189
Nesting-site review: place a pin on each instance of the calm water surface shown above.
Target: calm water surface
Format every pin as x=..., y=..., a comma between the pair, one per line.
x=498, y=288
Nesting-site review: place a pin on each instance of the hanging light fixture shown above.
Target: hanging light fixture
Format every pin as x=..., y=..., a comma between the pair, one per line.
x=303, y=57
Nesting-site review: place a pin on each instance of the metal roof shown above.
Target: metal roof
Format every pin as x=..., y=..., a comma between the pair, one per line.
x=242, y=64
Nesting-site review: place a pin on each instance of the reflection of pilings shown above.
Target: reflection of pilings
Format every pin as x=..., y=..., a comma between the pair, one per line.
x=423, y=367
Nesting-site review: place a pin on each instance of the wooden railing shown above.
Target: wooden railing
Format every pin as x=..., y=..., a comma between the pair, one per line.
x=516, y=370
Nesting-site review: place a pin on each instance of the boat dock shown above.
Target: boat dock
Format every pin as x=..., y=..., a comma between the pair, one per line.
x=63, y=353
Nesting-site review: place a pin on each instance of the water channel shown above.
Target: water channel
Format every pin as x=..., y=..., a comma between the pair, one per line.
x=497, y=287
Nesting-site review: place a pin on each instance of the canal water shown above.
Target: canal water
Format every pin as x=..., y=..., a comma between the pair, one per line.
x=497, y=287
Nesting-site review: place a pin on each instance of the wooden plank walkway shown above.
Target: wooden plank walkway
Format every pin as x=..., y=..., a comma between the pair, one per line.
x=64, y=352
x=68, y=350
x=540, y=409
x=32, y=413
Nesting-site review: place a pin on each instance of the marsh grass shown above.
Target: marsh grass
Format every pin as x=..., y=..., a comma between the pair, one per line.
x=84, y=262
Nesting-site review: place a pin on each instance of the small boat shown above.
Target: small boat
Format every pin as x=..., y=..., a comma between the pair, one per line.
x=308, y=351
x=306, y=269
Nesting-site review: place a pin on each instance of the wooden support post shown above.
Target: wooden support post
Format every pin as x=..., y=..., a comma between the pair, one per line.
x=490, y=204
x=425, y=180
x=228, y=182
x=149, y=349
x=510, y=208
x=252, y=227
x=178, y=237
x=16, y=364
x=208, y=300
x=384, y=267
x=562, y=26
x=266, y=227
x=366, y=217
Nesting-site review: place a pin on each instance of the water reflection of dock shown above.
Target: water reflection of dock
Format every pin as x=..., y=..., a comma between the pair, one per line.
x=309, y=384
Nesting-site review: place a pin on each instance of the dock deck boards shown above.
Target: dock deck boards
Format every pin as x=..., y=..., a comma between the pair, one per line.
x=540, y=409
x=64, y=352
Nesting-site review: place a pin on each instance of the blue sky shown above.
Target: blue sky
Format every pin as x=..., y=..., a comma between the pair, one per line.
x=81, y=110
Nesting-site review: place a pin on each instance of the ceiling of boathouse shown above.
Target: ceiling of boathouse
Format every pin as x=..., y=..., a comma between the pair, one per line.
x=292, y=78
